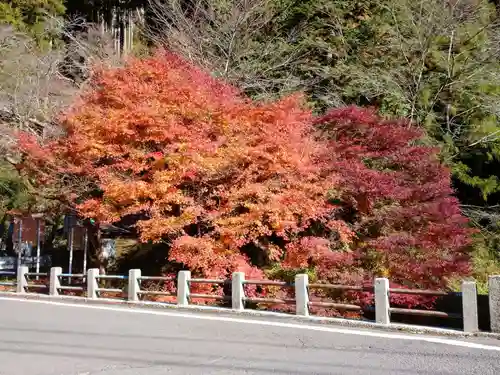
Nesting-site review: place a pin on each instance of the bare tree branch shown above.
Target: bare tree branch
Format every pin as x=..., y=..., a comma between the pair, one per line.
x=223, y=37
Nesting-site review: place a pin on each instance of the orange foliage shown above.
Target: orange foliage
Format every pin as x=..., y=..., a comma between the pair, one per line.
x=197, y=164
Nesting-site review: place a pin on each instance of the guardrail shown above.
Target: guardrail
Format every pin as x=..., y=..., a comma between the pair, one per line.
x=383, y=310
x=136, y=275
x=7, y=274
x=338, y=306
x=37, y=275
x=243, y=282
x=56, y=286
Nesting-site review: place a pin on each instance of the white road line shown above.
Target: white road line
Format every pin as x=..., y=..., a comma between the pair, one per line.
x=346, y=331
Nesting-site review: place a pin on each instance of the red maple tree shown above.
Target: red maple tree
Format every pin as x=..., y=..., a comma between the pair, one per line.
x=397, y=197
x=232, y=184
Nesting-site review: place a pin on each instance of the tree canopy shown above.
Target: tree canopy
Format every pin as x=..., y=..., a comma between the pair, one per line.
x=228, y=183
x=434, y=62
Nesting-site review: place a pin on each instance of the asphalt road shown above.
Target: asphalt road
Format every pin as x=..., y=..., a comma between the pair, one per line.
x=47, y=339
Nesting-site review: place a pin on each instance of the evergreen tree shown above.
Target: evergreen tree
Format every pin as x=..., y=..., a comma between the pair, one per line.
x=30, y=15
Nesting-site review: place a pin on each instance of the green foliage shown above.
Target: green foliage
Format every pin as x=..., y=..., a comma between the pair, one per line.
x=485, y=262
x=13, y=191
x=30, y=15
x=10, y=15
x=288, y=275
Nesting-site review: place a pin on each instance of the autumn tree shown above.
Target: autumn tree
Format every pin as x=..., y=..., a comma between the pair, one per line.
x=397, y=197
x=227, y=183
x=191, y=161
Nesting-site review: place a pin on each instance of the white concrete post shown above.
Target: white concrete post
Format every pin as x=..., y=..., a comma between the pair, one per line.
x=22, y=282
x=55, y=281
x=237, y=291
x=494, y=297
x=382, y=306
x=469, y=306
x=183, y=288
x=134, y=284
x=92, y=285
x=302, y=294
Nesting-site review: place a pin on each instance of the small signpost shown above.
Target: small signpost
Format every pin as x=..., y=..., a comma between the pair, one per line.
x=38, y=218
x=85, y=250
x=19, y=240
x=78, y=241
x=28, y=232
x=71, y=222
